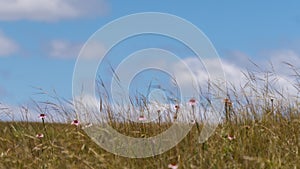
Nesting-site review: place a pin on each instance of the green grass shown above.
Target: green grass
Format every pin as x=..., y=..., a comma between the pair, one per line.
x=257, y=144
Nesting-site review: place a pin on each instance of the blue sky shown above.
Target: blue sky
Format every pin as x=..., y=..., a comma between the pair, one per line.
x=40, y=40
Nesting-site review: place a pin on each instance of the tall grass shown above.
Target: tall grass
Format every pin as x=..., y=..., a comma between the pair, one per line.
x=259, y=129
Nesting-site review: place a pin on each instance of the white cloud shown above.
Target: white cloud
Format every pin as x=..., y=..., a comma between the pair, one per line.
x=281, y=80
x=50, y=10
x=232, y=73
x=7, y=45
x=63, y=49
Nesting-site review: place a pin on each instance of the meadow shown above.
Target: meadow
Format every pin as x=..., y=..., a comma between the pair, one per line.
x=254, y=133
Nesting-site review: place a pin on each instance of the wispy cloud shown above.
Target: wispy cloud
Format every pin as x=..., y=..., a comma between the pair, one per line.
x=278, y=58
x=63, y=49
x=7, y=45
x=45, y=10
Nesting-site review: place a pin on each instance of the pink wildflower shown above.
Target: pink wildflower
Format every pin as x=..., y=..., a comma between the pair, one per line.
x=75, y=122
x=142, y=118
x=173, y=166
x=42, y=116
x=192, y=102
x=230, y=137
x=39, y=136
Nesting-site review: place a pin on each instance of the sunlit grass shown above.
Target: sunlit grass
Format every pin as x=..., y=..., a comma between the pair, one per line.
x=257, y=131
x=262, y=144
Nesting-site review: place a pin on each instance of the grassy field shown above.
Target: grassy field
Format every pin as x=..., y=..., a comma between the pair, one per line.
x=265, y=143
x=261, y=131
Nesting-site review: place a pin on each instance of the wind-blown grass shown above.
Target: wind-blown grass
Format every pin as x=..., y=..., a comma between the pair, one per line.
x=262, y=144
x=260, y=131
